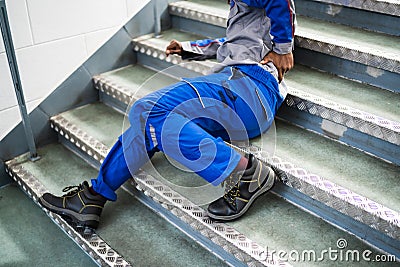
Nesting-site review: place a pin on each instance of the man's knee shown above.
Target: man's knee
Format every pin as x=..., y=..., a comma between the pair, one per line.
x=141, y=107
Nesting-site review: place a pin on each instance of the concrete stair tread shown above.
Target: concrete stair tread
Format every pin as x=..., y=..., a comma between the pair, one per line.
x=347, y=93
x=126, y=225
x=29, y=238
x=263, y=218
x=372, y=49
x=344, y=166
x=137, y=85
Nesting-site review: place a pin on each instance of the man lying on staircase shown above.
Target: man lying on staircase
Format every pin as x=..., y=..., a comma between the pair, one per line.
x=190, y=120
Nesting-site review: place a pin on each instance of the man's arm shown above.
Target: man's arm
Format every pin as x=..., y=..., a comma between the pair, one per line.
x=195, y=50
x=283, y=18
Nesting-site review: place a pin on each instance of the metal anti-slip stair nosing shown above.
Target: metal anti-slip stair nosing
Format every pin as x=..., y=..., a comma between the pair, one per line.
x=385, y=7
x=389, y=62
x=78, y=137
x=346, y=116
x=142, y=45
x=221, y=234
x=360, y=208
x=198, y=12
x=92, y=244
x=304, y=39
x=364, y=122
x=107, y=86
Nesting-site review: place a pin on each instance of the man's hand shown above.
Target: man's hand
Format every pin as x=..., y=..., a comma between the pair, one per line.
x=174, y=47
x=283, y=63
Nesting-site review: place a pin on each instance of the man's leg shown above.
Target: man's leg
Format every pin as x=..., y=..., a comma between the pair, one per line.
x=84, y=204
x=177, y=120
x=190, y=132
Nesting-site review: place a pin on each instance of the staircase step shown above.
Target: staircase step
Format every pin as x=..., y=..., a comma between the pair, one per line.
x=130, y=87
x=314, y=104
x=348, y=93
x=260, y=217
x=353, y=53
x=28, y=238
x=373, y=15
x=137, y=233
x=89, y=242
x=375, y=50
x=355, y=172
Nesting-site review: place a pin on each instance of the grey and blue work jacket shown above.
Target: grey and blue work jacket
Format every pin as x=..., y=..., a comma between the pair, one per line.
x=254, y=28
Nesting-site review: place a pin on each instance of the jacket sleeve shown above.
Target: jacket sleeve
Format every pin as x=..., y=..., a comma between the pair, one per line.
x=283, y=20
x=201, y=49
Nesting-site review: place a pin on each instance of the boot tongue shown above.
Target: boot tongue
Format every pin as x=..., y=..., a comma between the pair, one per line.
x=251, y=168
x=85, y=185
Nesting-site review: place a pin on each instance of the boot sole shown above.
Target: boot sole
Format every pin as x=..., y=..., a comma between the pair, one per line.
x=267, y=186
x=83, y=220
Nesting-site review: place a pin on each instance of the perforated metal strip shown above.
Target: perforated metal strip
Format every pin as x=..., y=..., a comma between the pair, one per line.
x=360, y=208
x=199, y=12
x=145, y=45
x=352, y=52
x=90, y=242
x=221, y=234
x=303, y=38
x=364, y=122
x=112, y=89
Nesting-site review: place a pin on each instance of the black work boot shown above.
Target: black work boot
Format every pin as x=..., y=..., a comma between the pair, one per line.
x=79, y=205
x=241, y=190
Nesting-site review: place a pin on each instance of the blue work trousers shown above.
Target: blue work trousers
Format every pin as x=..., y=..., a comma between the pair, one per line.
x=189, y=121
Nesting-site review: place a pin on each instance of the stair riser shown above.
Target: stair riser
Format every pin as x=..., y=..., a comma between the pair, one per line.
x=384, y=7
x=4, y=178
x=372, y=145
x=363, y=19
x=348, y=69
x=350, y=65
x=112, y=102
x=205, y=28
x=383, y=145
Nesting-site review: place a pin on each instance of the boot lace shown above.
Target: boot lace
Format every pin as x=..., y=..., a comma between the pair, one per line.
x=231, y=189
x=71, y=190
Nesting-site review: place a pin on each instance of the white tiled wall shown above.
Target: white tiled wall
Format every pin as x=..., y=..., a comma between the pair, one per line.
x=53, y=38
